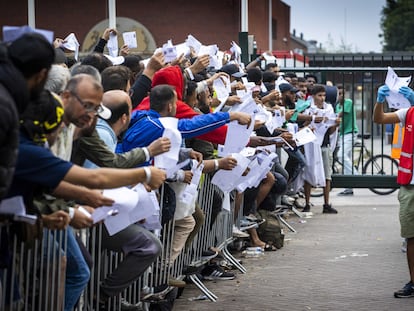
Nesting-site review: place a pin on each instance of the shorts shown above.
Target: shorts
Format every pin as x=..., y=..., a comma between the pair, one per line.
x=327, y=159
x=406, y=198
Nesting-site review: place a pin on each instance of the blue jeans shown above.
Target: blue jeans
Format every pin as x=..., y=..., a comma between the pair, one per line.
x=77, y=271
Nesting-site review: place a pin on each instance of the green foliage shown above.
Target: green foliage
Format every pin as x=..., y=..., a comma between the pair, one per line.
x=397, y=24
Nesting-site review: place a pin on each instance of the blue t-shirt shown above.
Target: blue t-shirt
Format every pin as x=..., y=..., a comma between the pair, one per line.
x=36, y=168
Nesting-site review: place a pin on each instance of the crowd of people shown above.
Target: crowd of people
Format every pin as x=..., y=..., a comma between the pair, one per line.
x=73, y=128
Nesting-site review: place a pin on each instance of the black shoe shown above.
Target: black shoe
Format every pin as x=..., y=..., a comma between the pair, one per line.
x=328, y=209
x=306, y=209
x=214, y=272
x=406, y=292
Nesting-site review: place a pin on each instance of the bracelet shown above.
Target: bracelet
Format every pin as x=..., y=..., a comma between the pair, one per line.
x=313, y=118
x=71, y=212
x=147, y=154
x=148, y=174
x=216, y=165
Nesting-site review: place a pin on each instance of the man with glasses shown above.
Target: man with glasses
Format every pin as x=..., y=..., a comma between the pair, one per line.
x=82, y=102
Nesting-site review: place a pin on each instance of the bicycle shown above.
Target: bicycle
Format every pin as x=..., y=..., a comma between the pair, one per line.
x=380, y=164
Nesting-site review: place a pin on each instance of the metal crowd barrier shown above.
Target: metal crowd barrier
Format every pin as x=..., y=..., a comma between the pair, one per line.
x=34, y=277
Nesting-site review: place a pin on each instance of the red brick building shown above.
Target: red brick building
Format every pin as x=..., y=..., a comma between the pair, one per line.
x=214, y=21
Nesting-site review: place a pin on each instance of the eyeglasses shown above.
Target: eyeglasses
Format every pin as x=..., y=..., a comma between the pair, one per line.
x=89, y=107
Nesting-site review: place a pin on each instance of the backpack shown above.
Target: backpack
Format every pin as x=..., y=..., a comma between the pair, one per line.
x=270, y=231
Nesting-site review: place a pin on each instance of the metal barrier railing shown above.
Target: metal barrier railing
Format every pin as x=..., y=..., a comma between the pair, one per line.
x=34, y=279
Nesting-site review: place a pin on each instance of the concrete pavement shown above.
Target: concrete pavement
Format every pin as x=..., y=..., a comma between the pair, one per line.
x=348, y=261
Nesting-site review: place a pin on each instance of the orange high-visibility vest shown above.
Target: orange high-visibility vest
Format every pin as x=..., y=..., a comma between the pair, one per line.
x=405, y=167
x=397, y=139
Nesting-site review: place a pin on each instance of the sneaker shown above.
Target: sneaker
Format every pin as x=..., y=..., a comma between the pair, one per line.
x=306, y=209
x=237, y=233
x=214, y=272
x=328, y=209
x=346, y=192
x=406, y=292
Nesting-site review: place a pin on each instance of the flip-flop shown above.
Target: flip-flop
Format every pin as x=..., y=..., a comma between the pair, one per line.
x=269, y=248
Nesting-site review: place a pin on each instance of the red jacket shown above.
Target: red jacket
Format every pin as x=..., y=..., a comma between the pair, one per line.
x=173, y=76
x=405, y=168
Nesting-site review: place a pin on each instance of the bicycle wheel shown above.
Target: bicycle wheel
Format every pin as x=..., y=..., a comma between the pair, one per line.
x=381, y=164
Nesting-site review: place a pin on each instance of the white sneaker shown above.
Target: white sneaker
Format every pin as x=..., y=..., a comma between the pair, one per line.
x=238, y=233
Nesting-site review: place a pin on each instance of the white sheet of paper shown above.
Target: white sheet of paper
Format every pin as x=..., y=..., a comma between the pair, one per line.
x=194, y=43
x=248, y=152
x=169, y=51
x=396, y=100
x=15, y=206
x=237, y=138
x=145, y=207
x=182, y=48
x=236, y=50
x=278, y=82
x=226, y=201
x=190, y=191
x=245, y=182
x=168, y=160
x=11, y=33
x=125, y=199
x=112, y=45
x=266, y=163
x=222, y=93
x=304, y=136
x=130, y=39
x=72, y=44
x=171, y=171
x=269, y=58
x=277, y=120
x=101, y=213
x=154, y=221
x=227, y=180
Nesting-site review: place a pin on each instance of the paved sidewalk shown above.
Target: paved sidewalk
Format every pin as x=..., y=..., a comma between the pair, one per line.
x=349, y=261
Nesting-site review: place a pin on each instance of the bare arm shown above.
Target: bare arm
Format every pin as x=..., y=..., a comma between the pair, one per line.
x=103, y=178
x=93, y=198
x=381, y=117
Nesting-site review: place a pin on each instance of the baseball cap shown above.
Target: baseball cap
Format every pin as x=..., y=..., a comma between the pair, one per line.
x=285, y=87
x=104, y=113
x=31, y=53
x=232, y=70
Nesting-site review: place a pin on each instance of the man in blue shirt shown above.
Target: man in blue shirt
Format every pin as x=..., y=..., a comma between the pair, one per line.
x=145, y=126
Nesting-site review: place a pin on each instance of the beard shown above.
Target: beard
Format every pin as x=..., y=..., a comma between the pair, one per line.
x=36, y=90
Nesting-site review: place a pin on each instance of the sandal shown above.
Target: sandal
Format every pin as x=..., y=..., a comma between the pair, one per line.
x=269, y=248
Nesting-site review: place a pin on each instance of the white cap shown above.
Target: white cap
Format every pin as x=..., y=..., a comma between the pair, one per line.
x=105, y=113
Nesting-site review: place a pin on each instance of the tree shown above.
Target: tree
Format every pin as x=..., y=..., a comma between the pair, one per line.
x=397, y=24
